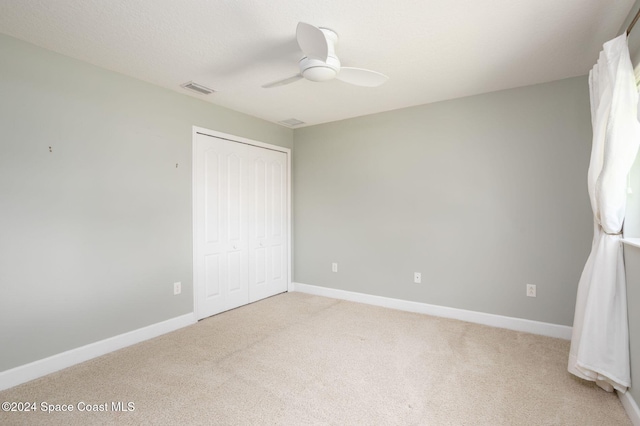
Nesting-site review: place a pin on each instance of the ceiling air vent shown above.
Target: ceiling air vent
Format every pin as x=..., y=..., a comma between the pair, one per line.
x=292, y=122
x=199, y=88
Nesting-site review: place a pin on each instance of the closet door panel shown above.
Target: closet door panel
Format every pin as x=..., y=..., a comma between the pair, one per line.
x=277, y=239
x=258, y=226
x=268, y=225
x=221, y=226
x=210, y=260
x=236, y=206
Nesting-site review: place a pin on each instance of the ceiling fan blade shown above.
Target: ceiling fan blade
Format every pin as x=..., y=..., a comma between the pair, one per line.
x=312, y=41
x=361, y=77
x=288, y=80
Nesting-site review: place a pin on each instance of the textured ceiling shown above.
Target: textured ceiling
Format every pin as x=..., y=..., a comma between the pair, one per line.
x=431, y=50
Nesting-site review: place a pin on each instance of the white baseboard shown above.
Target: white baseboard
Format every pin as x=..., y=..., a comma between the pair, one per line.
x=517, y=324
x=33, y=370
x=630, y=407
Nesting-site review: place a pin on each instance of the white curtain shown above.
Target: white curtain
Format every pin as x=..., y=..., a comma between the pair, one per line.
x=600, y=340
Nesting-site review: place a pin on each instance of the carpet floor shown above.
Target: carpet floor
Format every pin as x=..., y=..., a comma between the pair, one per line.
x=297, y=359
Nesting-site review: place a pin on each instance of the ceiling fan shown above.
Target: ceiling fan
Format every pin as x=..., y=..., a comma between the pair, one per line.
x=320, y=62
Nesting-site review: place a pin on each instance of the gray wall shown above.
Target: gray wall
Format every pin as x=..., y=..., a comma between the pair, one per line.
x=632, y=266
x=481, y=195
x=632, y=221
x=632, y=229
x=93, y=234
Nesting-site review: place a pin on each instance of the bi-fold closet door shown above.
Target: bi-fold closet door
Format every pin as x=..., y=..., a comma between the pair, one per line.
x=241, y=223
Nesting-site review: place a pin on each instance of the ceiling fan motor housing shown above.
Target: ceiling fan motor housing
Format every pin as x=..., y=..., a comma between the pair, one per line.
x=320, y=62
x=318, y=70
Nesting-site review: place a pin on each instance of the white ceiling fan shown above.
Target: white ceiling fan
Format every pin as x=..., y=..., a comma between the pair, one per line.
x=320, y=62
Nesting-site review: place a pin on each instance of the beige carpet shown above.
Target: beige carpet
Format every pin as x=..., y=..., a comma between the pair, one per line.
x=297, y=359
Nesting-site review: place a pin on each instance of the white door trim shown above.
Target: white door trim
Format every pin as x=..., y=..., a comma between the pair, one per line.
x=201, y=130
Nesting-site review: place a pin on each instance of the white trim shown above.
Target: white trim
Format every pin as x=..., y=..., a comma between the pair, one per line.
x=630, y=407
x=36, y=369
x=635, y=242
x=194, y=257
x=233, y=138
x=511, y=323
x=289, y=223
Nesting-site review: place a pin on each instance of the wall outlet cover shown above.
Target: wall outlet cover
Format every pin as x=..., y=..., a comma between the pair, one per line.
x=531, y=290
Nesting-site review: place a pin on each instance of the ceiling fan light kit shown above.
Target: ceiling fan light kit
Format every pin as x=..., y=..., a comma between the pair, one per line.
x=318, y=70
x=320, y=62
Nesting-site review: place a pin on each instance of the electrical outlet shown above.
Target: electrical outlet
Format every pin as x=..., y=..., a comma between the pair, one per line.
x=417, y=277
x=177, y=288
x=334, y=267
x=531, y=290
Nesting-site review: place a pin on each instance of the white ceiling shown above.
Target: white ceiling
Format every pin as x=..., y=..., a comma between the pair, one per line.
x=431, y=50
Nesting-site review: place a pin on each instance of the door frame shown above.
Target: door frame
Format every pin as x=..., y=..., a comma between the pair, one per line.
x=194, y=191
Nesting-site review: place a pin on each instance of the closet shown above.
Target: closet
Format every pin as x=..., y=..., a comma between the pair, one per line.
x=241, y=221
